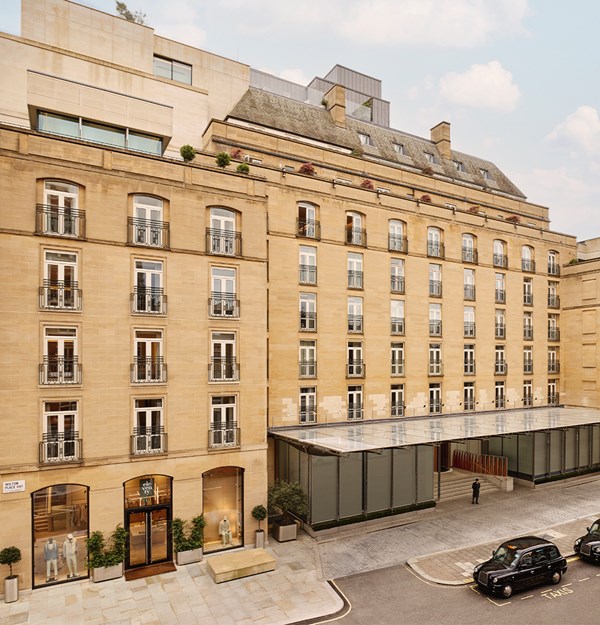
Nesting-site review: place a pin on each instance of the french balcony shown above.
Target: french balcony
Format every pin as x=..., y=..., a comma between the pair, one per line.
x=355, y=279
x=397, y=325
x=308, y=228
x=223, y=242
x=397, y=243
x=469, y=329
x=147, y=441
x=553, y=399
x=469, y=255
x=436, y=368
x=223, y=370
x=500, y=260
x=435, y=407
x=59, y=221
x=469, y=292
x=59, y=295
x=500, y=296
x=356, y=236
x=500, y=367
x=435, y=328
x=469, y=404
x=148, y=232
x=355, y=324
x=553, y=366
x=397, y=368
x=527, y=299
x=397, y=284
x=223, y=436
x=528, y=265
x=469, y=367
x=60, y=447
x=435, y=288
x=500, y=402
x=356, y=369
x=148, y=370
x=528, y=366
x=307, y=369
x=148, y=301
x=307, y=416
x=553, y=269
x=528, y=401
x=355, y=413
x=553, y=334
x=307, y=274
x=397, y=410
x=60, y=370
x=500, y=331
x=307, y=321
x=435, y=250
x=528, y=333
x=553, y=301
x=223, y=305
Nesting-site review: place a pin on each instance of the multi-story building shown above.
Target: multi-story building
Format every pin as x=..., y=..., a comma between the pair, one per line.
x=348, y=294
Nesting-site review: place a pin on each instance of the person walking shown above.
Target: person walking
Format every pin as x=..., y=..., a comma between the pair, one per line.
x=475, y=486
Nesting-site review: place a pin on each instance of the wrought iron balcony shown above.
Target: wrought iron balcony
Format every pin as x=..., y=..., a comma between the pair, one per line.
x=355, y=414
x=59, y=295
x=397, y=325
x=307, y=369
x=356, y=236
x=553, y=366
x=469, y=292
x=223, y=242
x=223, y=305
x=500, y=331
x=226, y=435
x=309, y=228
x=397, y=367
x=355, y=369
x=60, y=370
x=397, y=410
x=469, y=329
x=500, y=260
x=528, y=299
x=308, y=321
x=150, y=440
x=148, y=300
x=397, y=243
x=500, y=367
x=527, y=264
x=435, y=328
x=435, y=288
x=553, y=269
x=397, y=284
x=500, y=296
x=436, y=368
x=435, y=250
x=355, y=324
x=60, y=447
x=355, y=279
x=223, y=370
x=553, y=301
x=469, y=255
x=147, y=232
x=307, y=415
x=528, y=366
x=528, y=333
x=553, y=334
x=148, y=370
x=307, y=274
x=59, y=221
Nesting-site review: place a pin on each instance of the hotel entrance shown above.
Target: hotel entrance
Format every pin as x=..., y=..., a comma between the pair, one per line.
x=148, y=520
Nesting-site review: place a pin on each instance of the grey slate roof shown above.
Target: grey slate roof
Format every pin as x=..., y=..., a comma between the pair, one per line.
x=274, y=111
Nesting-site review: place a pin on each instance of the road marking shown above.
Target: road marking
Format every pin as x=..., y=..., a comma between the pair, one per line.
x=584, y=579
x=527, y=597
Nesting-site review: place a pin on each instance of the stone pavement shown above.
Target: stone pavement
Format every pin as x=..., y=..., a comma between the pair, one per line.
x=442, y=545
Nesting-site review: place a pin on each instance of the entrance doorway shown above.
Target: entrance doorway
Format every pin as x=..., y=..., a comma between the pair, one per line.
x=148, y=536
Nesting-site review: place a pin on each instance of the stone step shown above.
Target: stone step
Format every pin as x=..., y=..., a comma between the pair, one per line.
x=230, y=566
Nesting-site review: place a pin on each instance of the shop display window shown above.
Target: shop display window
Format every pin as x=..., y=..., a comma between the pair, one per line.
x=222, y=494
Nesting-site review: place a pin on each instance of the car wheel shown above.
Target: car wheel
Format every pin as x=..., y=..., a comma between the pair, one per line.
x=555, y=577
x=507, y=591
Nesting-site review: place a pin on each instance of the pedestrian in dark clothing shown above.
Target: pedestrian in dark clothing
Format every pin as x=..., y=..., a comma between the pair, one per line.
x=475, y=486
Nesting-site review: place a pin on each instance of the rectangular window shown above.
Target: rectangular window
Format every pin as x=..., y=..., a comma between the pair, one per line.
x=553, y=360
x=435, y=320
x=59, y=215
x=224, y=430
x=500, y=365
x=355, y=315
x=364, y=139
x=527, y=393
x=398, y=148
x=528, y=360
x=307, y=363
x=307, y=265
x=308, y=312
x=60, y=363
x=469, y=284
x=469, y=321
x=397, y=359
x=469, y=396
x=397, y=275
x=499, y=395
x=429, y=158
x=435, y=280
x=553, y=299
x=173, y=70
x=553, y=330
x=552, y=393
x=148, y=295
x=500, y=324
x=435, y=359
x=469, y=359
x=355, y=367
x=355, y=403
x=148, y=427
x=528, y=326
x=60, y=440
x=458, y=165
x=435, y=398
x=528, y=291
x=500, y=289
x=60, y=290
x=223, y=364
x=307, y=404
x=397, y=400
x=148, y=362
x=355, y=271
x=147, y=227
x=308, y=225
x=223, y=301
x=397, y=316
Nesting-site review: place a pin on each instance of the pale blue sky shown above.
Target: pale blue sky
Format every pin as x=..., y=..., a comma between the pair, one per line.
x=517, y=79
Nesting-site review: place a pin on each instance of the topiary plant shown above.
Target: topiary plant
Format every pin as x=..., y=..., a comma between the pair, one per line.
x=242, y=168
x=223, y=159
x=260, y=514
x=10, y=556
x=188, y=152
x=287, y=498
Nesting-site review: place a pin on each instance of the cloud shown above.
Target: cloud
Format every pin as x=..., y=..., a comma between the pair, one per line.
x=294, y=75
x=482, y=86
x=581, y=130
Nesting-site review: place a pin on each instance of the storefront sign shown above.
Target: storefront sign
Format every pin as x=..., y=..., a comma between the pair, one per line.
x=147, y=487
x=16, y=486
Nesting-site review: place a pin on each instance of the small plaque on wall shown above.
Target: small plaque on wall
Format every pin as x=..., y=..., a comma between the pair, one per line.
x=147, y=487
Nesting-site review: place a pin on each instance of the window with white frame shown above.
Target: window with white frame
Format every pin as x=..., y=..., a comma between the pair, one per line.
x=469, y=284
x=308, y=225
x=528, y=291
x=500, y=288
x=60, y=290
x=222, y=238
x=553, y=263
x=553, y=360
x=499, y=256
x=223, y=363
x=553, y=299
x=307, y=359
x=148, y=427
x=398, y=148
x=435, y=280
x=60, y=439
x=499, y=323
x=148, y=362
x=397, y=356
x=527, y=261
x=552, y=392
x=528, y=326
x=397, y=316
x=223, y=300
x=469, y=249
x=355, y=230
x=527, y=393
x=469, y=321
x=553, y=330
x=355, y=367
x=148, y=227
x=397, y=241
x=429, y=157
x=485, y=173
x=435, y=359
x=397, y=400
x=307, y=265
x=59, y=214
x=355, y=403
x=308, y=312
x=435, y=320
x=148, y=295
x=528, y=359
x=499, y=395
x=224, y=430
x=469, y=359
x=435, y=246
x=459, y=166
x=355, y=314
x=61, y=362
x=397, y=275
x=435, y=398
x=355, y=271
x=364, y=139
x=500, y=366
x=469, y=395
x=307, y=404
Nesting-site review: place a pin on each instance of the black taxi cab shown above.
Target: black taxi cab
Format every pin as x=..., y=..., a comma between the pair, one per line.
x=520, y=563
x=588, y=546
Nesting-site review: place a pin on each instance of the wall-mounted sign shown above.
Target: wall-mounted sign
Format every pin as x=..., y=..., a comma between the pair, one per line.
x=16, y=486
x=147, y=487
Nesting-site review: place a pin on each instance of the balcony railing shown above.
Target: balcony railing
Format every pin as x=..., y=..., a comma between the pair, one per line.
x=469, y=367
x=469, y=292
x=59, y=222
x=60, y=370
x=435, y=407
x=223, y=370
x=528, y=401
x=397, y=367
x=469, y=404
x=500, y=402
x=435, y=250
x=553, y=269
x=397, y=284
x=436, y=368
x=309, y=228
x=528, y=299
x=223, y=305
x=528, y=265
x=148, y=300
x=500, y=296
x=307, y=274
x=553, y=366
x=500, y=260
x=500, y=331
x=500, y=367
x=397, y=410
x=226, y=435
x=553, y=334
x=59, y=295
x=307, y=415
x=528, y=366
x=355, y=279
x=307, y=321
x=435, y=328
x=60, y=447
x=355, y=414
x=397, y=243
x=356, y=236
x=528, y=333
x=355, y=324
x=307, y=369
x=469, y=329
x=553, y=400
x=223, y=242
x=148, y=370
x=469, y=255
x=397, y=325
x=356, y=369
x=435, y=288
x=147, y=232
x=553, y=301
x=150, y=440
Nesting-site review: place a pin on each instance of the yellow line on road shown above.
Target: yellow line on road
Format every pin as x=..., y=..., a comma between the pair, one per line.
x=584, y=579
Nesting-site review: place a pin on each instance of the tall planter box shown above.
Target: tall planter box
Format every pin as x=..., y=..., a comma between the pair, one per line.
x=11, y=589
x=283, y=533
x=259, y=539
x=103, y=574
x=188, y=557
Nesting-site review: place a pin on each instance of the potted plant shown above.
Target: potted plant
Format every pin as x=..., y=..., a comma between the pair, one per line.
x=105, y=557
x=236, y=153
x=223, y=159
x=367, y=184
x=188, y=539
x=10, y=556
x=188, y=152
x=260, y=514
x=242, y=168
x=286, y=498
x=426, y=198
x=307, y=169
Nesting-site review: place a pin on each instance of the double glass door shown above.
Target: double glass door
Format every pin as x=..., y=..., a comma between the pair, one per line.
x=148, y=536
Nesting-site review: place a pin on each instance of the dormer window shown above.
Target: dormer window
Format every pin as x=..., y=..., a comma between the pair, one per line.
x=364, y=139
x=398, y=148
x=459, y=166
x=429, y=158
x=485, y=173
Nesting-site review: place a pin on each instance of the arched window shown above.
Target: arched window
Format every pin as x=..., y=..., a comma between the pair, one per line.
x=356, y=233
x=553, y=263
x=500, y=258
x=397, y=236
x=527, y=260
x=59, y=213
x=147, y=226
x=222, y=236
x=435, y=244
x=308, y=225
x=469, y=248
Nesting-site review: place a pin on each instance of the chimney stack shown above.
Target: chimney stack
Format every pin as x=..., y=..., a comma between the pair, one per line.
x=440, y=135
x=336, y=104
